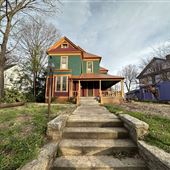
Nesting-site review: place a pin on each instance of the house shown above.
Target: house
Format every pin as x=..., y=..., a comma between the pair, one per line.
x=154, y=80
x=11, y=76
x=77, y=73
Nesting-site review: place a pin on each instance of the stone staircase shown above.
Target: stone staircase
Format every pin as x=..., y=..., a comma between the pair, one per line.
x=88, y=101
x=96, y=139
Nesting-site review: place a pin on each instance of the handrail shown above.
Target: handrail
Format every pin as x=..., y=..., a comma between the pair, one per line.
x=111, y=93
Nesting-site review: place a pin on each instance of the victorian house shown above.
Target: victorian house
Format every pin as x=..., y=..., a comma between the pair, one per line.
x=76, y=73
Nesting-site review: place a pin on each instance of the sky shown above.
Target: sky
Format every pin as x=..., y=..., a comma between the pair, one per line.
x=121, y=31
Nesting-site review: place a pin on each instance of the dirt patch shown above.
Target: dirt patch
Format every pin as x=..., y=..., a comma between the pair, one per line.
x=23, y=118
x=148, y=108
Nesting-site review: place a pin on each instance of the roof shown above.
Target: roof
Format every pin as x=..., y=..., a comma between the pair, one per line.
x=58, y=43
x=87, y=55
x=9, y=66
x=97, y=76
x=103, y=69
x=147, y=66
x=74, y=48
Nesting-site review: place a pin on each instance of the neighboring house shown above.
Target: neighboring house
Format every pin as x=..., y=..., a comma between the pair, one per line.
x=11, y=76
x=77, y=72
x=154, y=81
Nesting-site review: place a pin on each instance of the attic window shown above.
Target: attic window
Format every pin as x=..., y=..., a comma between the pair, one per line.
x=64, y=45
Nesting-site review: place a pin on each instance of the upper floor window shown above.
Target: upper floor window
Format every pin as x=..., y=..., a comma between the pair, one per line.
x=64, y=45
x=89, y=66
x=64, y=62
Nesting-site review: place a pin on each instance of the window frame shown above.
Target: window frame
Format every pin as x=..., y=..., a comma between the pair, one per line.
x=62, y=45
x=61, y=84
x=87, y=67
x=66, y=63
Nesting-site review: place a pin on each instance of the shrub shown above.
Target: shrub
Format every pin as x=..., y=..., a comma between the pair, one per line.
x=12, y=95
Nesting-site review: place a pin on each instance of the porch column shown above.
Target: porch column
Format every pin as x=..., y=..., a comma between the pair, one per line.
x=71, y=88
x=79, y=89
x=100, y=92
x=122, y=88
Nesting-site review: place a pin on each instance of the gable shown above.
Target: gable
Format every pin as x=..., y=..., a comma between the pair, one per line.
x=154, y=65
x=59, y=46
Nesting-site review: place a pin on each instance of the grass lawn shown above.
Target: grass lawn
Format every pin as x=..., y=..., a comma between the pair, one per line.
x=22, y=133
x=159, y=127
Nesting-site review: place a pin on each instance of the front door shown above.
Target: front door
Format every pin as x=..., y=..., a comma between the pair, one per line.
x=90, y=92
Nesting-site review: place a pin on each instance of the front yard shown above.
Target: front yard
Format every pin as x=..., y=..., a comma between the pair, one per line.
x=159, y=126
x=22, y=133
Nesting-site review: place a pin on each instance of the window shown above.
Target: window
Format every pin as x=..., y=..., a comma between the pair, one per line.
x=64, y=62
x=58, y=83
x=89, y=66
x=61, y=84
x=64, y=84
x=64, y=45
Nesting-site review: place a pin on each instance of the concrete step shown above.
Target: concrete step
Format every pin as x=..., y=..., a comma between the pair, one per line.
x=94, y=133
x=94, y=122
x=95, y=147
x=97, y=163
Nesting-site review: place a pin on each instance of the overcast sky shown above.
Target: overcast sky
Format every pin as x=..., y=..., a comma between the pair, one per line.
x=120, y=31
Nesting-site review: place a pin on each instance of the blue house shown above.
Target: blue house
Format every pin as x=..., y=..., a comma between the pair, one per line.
x=154, y=81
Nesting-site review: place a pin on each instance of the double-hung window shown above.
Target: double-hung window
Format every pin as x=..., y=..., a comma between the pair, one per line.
x=89, y=66
x=61, y=84
x=64, y=62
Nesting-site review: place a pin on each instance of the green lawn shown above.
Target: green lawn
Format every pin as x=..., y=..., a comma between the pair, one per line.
x=159, y=127
x=22, y=133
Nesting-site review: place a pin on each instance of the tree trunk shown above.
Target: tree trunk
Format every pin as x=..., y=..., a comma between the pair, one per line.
x=1, y=80
x=3, y=55
x=34, y=77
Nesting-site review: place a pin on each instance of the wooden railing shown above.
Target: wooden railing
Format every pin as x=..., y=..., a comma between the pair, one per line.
x=111, y=93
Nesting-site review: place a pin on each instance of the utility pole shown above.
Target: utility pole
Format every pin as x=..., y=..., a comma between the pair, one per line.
x=50, y=87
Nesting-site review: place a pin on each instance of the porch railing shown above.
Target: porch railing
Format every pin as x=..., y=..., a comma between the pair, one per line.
x=111, y=93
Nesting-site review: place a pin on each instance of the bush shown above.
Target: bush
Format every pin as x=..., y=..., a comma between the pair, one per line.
x=12, y=96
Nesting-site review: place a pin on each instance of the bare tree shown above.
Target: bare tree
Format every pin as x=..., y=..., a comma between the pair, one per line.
x=36, y=37
x=10, y=14
x=129, y=72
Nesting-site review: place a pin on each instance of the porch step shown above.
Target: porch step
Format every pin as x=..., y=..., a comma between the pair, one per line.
x=95, y=133
x=95, y=147
x=88, y=101
x=94, y=122
x=97, y=163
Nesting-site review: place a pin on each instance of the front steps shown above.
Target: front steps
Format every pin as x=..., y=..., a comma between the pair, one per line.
x=88, y=101
x=95, y=147
x=95, y=139
x=94, y=133
x=97, y=163
x=94, y=122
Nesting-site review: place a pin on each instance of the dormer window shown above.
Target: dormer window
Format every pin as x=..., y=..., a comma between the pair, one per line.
x=64, y=45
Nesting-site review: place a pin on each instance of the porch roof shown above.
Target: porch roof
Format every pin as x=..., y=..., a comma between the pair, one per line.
x=93, y=76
